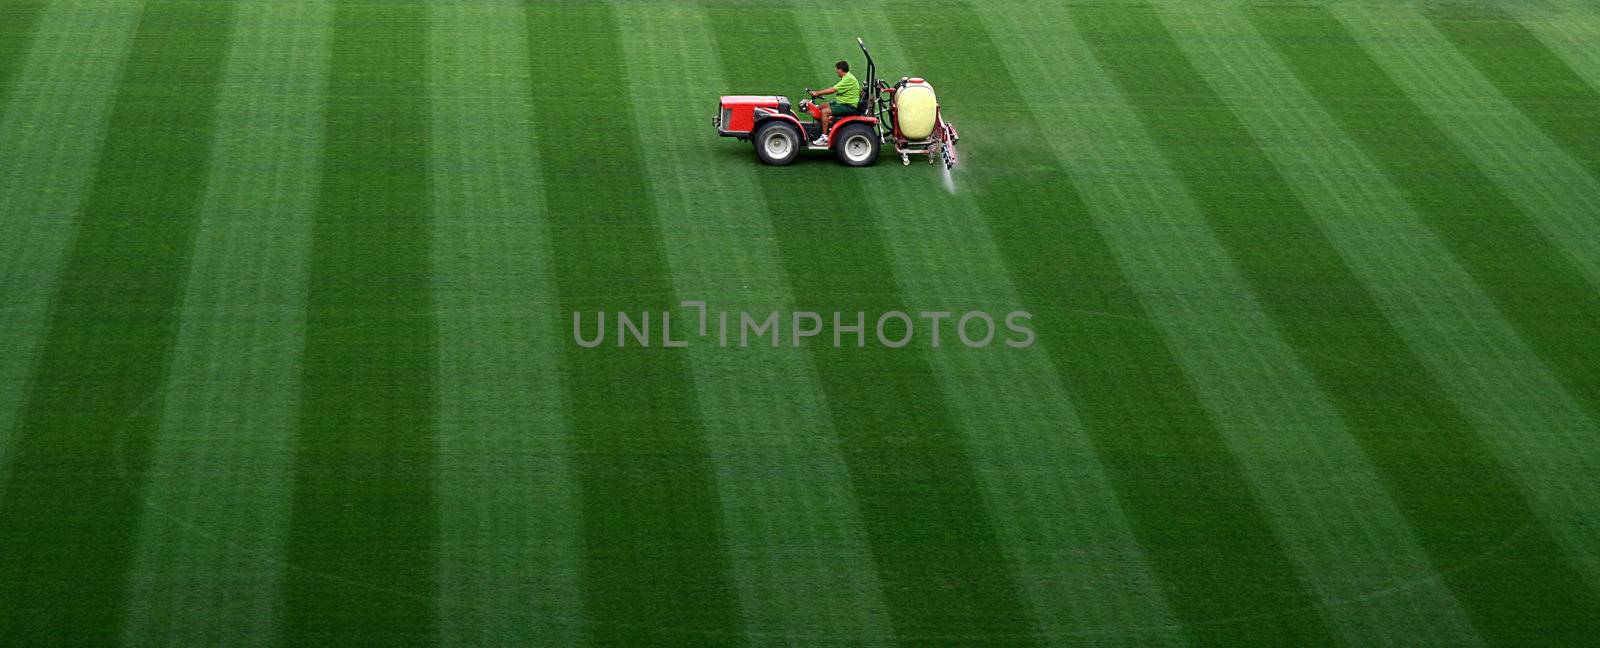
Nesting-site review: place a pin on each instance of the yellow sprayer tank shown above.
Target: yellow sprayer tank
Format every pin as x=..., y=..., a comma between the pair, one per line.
x=916, y=109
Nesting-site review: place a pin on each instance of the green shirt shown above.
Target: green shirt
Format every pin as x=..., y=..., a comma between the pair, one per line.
x=848, y=89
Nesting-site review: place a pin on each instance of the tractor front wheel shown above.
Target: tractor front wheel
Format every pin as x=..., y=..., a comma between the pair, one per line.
x=856, y=145
x=777, y=143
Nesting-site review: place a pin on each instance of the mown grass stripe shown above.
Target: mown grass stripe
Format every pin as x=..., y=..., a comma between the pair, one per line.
x=1537, y=81
x=71, y=504
x=654, y=563
x=1552, y=188
x=1344, y=535
x=52, y=133
x=16, y=38
x=796, y=539
x=1520, y=404
x=1567, y=28
x=1522, y=229
x=1328, y=506
x=209, y=564
x=1516, y=405
x=363, y=525
x=1208, y=540
x=1053, y=506
x=945, y=574
x=508, y=526
x=1535, y=168
x=1536, y=285
x=1355, y=354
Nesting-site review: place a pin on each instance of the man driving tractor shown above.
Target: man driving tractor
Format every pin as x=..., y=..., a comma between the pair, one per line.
x=847, y=94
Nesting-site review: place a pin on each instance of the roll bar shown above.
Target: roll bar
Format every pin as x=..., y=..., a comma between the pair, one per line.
x=873, y=88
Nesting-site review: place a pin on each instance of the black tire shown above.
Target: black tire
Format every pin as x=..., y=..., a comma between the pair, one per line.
x=856, y=145
x=778, y=143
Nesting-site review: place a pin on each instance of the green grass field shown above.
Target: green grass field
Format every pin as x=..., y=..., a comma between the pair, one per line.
x=286, y=326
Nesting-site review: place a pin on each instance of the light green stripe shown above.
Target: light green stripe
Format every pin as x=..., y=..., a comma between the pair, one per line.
x=51, y=133
x=209, y=559
x=1067, y=538
x=508, y=547
x=1543, y=180
x=799, y=550
x=1328, y=506
x=1517, y=404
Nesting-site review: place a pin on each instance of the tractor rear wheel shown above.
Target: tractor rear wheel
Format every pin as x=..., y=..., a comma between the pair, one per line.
x=777, y=143
x=856, y=145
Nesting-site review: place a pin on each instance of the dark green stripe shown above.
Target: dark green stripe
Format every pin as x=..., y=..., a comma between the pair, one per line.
x=16, y=36
x=363, y=523
x=654, y=565
x=1534, y=78
x=945, y=574
x=1465, y=507
x=71, y=503
x=1187, y=499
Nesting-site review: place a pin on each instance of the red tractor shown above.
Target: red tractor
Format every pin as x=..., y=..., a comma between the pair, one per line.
x=906, y=114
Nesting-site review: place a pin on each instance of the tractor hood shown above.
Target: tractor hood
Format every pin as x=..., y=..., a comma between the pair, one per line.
x=769, y=101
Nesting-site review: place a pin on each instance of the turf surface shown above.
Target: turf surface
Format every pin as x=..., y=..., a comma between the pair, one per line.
x=90, y=416
x=364, y=454
x=288, y=298
x=1420, y=445
x=14, y=41
x=653, y=568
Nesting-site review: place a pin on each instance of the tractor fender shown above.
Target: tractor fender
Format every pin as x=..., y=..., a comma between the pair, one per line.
x=853, y=119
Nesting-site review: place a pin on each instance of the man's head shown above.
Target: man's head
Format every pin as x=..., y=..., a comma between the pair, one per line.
x=841, y=67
